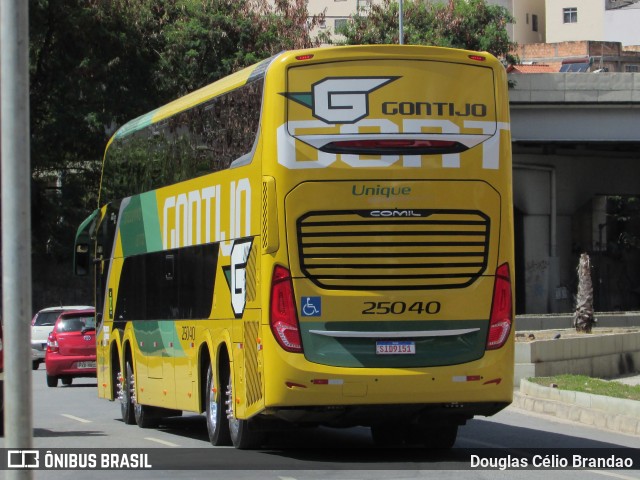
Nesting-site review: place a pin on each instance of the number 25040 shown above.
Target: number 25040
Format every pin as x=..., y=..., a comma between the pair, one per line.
x=398, y=308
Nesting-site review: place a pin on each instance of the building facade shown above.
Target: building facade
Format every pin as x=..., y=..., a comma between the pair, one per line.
x=602, y=20
x=536, y=21
x=529, y=27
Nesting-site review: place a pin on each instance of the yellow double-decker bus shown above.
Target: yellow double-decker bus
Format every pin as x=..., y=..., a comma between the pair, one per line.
x=324, y=238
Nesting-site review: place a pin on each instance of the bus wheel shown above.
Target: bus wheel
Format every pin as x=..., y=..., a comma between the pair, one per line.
x=217, y=423
x=388, y=435
x=146, y=416
x=127, y=395
x=439, y=436
x=242, y=435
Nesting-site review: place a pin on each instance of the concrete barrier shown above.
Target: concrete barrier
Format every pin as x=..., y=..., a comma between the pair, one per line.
x=614, y=414
x=555, y=321
x=601, y=355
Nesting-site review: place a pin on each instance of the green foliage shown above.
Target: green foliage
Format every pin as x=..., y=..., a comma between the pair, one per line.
x=203, y=40
x=469, y=24
x=594, y=386
x=95, y=64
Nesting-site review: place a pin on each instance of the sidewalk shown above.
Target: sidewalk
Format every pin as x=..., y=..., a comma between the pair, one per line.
x=609, y=413
x=629, y=380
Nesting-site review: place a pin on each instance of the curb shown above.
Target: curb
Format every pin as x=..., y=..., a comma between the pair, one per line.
x=614, y=414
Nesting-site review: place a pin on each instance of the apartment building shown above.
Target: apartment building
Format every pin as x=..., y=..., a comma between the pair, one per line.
x=530, y=25
x=607, y=21
x=337, y=11
x=536, y=21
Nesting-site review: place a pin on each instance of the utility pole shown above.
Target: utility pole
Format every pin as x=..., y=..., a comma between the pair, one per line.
x=16, y=227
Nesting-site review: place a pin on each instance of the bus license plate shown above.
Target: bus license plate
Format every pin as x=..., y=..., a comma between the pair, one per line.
x=86, y=365
x=395, y=348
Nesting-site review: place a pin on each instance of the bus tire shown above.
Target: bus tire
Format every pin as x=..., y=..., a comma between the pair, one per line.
x=242, y=435
x=217, y=422
x=146, y=416
x=439, y=436
x=126, y=401
x=388, y=435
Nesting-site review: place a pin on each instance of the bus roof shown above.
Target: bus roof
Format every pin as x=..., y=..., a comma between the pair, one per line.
x=258, y=70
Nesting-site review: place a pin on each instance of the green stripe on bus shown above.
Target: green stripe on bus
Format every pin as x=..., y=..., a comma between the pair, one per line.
x=158, y=338
x=132, y=231
x=151, y=220
x=136, y=124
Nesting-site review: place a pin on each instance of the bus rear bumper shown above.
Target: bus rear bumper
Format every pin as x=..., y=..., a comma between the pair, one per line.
x=368, y=415
x=301, y=390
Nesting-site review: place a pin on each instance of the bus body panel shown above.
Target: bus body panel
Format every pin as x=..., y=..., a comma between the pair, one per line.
x=378, y=177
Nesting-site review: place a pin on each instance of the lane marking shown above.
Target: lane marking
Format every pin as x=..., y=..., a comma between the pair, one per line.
x=163, y=442
x=77, y=419
x=612, y=474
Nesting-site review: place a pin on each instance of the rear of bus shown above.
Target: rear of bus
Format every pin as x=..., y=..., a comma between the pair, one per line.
x=387, y=239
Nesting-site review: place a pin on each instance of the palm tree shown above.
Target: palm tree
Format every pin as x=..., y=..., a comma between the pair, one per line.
x=583, y=319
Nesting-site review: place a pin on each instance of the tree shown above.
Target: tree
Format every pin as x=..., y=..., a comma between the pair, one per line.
x=95, y=64
x=469, y=24
x=583, y=319
x=203, y=40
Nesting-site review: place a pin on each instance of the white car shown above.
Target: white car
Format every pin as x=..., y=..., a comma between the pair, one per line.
x=41, y=327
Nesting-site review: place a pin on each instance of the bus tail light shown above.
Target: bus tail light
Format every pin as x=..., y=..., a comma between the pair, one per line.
x=394, y=147
x=52, y=343
x=501, y=309
x=283, y=316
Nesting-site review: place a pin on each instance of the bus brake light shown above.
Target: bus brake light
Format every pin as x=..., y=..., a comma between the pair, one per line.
x=283, y=316
x=394, y=147
x=501, y=309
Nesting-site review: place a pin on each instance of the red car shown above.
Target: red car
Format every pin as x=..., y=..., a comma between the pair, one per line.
x=71, y=347
x=1, y=384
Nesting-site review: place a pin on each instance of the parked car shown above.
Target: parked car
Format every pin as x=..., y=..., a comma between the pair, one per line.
x=41, y=326
x=71, y=347
x=1, y=383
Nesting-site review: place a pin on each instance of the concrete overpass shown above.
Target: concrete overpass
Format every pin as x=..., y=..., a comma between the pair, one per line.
x=576, y=140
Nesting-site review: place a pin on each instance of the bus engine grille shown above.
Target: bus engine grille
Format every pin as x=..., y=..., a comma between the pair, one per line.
x=393, y=249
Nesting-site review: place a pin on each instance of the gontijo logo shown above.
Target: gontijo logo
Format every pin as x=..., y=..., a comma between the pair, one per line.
x=340, y=99
x=343, y=103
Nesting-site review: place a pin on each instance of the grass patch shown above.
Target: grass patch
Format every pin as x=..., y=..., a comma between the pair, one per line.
x=595, y=386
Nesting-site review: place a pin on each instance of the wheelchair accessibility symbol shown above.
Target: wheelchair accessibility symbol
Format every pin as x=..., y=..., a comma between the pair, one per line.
x=311, y=306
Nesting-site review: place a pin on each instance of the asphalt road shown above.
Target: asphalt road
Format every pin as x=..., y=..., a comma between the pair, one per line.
x=74, y=418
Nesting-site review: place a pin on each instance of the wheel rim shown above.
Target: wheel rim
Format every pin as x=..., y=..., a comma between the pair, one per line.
x=234, y=423
x=128, y=391
x=213, y=408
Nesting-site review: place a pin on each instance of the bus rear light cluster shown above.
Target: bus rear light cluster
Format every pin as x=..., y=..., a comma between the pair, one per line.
x=501, y=309
x=283, y=317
